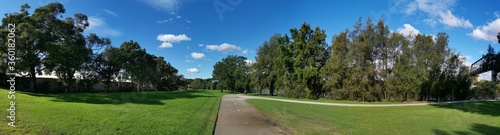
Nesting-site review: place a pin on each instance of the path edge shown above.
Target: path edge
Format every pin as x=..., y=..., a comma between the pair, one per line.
x=217, y=117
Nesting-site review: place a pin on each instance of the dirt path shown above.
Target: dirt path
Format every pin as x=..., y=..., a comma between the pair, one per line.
x=358, y=105
x=237, y=117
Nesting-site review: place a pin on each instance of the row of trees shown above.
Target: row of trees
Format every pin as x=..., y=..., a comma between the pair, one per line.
x=367, y=63
x=46, y=42
x=201, y=84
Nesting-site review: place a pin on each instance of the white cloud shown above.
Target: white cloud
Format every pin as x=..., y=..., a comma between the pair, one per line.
x=166, y=5
x=165, y=45
x=249, y=62
x=407, y=30
x=193, y=70
x=179, y=17
x=162, y=21
x=245, y=51
x=187, y=47
x=197, y=56
x=98, y=26
x=496, y=14
x=200, y=45
x=487, y=32
x=188, y=61
x=188, y=21
x=430, y=22
x=225, y=47
x=107, y=11
x=436, y=10
x=172, y=38
x=199, y=65
x=448, y=19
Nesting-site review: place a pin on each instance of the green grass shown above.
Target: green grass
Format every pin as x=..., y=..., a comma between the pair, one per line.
x=325, y=100
x=459, y=118
x=177, y=112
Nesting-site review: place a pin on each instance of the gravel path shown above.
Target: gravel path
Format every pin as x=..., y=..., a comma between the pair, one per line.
x=237, y=117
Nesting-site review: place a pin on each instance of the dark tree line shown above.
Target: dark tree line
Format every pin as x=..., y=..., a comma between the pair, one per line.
x=366, y=63
x=47, y=42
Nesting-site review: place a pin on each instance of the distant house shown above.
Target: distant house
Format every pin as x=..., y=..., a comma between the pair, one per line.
x=50, y=83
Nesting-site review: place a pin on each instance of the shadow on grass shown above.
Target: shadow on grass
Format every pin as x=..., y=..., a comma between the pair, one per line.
x=474, y=129
x=491, y=108
x=149, y=98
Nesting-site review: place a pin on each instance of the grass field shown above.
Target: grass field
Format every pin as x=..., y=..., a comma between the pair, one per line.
x=459, y=118
x=384, y=101
x=178, y=112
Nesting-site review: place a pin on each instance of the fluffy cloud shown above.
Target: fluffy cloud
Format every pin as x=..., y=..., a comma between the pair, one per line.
x=172, y=38
x=407, y=30
x=193, y=70
x=166, y=5
x=168, y=39
x=245, y=51
x=436, y=10
x=487, y=32
x=98, y=26
x=196, y=55
x=225, y=47
x=166, y=45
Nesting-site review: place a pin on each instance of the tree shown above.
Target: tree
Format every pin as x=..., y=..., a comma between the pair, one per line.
x=231, y=73
x=32, y=39
x=69, y=52
x=107, y=65
x=167, y=77
x=263, y=75
x=335, y=70
x=197, y=83
x=301, y=60
x=132, y=58
x=89, y=76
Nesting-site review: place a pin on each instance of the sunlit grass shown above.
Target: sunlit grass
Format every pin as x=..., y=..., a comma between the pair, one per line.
x=459, y=118
x=178, y=112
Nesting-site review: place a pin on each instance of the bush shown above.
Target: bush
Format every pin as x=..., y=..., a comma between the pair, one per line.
x=485, y=90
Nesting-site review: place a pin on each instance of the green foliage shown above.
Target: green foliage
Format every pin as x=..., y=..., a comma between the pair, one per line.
x=263, y=76
x=485, y=90
x=368, y=63
x=232, y=73
x=53, y=44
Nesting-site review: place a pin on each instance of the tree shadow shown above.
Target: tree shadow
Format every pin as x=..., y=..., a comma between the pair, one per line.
x=474, y=129
x=491, y=108
x=149, y=98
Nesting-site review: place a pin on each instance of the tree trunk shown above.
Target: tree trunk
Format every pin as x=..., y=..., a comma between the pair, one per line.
x=33, y=79
x=271, y=89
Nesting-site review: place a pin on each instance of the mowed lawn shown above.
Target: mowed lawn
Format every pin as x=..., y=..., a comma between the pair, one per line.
x=177, y=112
x=460, y=118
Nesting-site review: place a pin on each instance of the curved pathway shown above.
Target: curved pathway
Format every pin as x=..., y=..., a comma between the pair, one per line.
x=358, y=105
x=236, y=116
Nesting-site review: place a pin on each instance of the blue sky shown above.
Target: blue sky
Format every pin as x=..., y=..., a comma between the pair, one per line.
x=194, y=34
